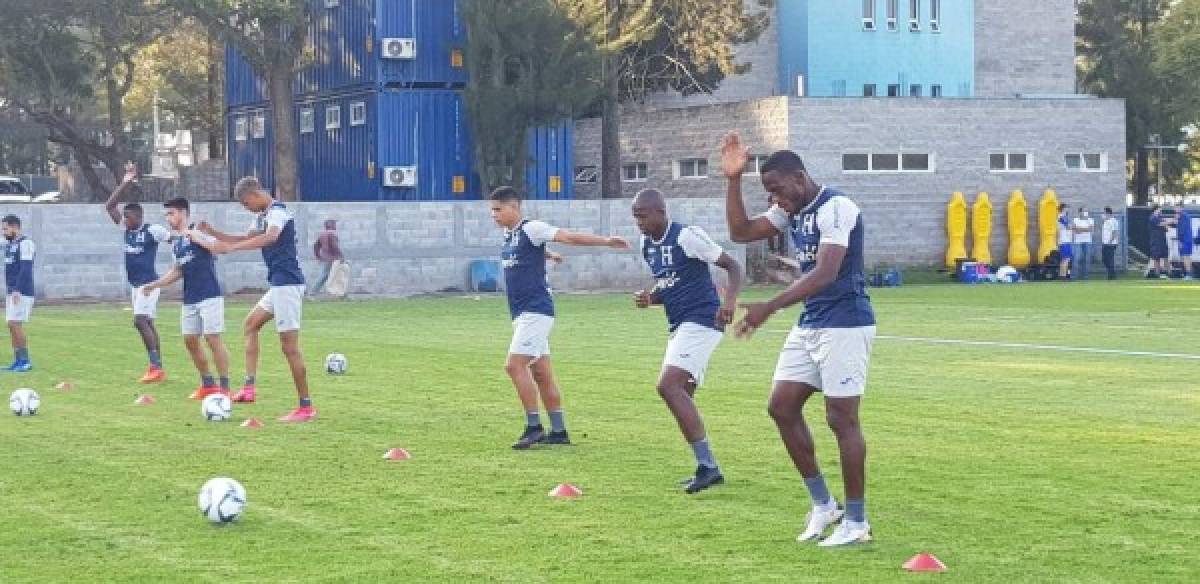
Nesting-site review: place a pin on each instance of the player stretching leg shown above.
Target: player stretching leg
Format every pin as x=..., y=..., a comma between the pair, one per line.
x=274, y=232
x=203, y=304
x=679, y=256
x=532, y=310
x=18, y=303
x=829, y=349
x=141, y=249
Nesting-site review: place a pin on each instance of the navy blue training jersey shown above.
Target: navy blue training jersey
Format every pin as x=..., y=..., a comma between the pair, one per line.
x=683, y=282
x=141, y=249
x=283, y=263
x=835, y=219
x=199, y=271
x=524, y=258
x=18, y=266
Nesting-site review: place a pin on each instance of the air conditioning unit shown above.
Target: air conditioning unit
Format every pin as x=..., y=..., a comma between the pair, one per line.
x=400, y=176
x=399, y=48
x=914, y=25
x=868, y=24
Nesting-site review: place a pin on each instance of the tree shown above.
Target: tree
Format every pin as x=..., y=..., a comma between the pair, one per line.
x=661, y=45
x=1114, y=40
x=1177, y=61
x=530, y=66
x=271, y=36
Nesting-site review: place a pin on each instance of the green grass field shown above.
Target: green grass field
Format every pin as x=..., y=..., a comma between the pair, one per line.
x=1012, y=465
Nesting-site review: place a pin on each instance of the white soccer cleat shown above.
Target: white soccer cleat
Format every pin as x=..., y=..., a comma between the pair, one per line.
x=848, y=533
x=819, y=519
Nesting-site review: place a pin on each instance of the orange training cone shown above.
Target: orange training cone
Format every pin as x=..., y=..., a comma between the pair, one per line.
x=924, y=562
x=397, y=454
x=145, y=400
x=65, y=386
x=566, y=491
x=252, y=423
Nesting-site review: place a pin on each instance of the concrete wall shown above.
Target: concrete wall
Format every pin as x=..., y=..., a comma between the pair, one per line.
x=394, y=249
x=1024, y=47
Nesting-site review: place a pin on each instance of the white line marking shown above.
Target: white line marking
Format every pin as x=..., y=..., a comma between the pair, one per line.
x=1005, y=345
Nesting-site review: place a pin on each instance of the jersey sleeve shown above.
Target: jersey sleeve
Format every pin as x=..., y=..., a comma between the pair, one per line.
x=778, y=218
x=202, y=238
x=697, y=244
x=159, y=233
x=539, y=232
x=277, y=217
x=836, y=219
x=27, y=250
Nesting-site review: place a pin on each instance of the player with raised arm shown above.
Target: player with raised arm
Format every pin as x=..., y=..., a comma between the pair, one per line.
x=829, y=349
x=679, y=257
x=524, y=258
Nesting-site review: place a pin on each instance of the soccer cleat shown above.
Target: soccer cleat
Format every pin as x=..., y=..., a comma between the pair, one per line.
x=705, y=477
x=246, y=395
x=206, y=390
x=532, y=435
x=819, y=519
x=848, y=533
x=300, y=414
x=20, y=367
x=153, y=375
x=556, y=438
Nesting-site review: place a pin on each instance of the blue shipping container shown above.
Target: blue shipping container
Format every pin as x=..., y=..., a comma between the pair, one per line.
x=549, y=169
x=361, y=44
x=249, y=143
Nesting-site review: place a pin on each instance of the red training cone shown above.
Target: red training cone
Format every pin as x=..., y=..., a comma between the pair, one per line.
x=252, y=423
x=397, y=454
x=924, y=562
x=145, y=400
x=566, y=491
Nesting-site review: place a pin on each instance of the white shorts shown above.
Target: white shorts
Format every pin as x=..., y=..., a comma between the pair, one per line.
x=146, y=305
x=690, y=347
x=19, y=311
x=531, y=334
x=206, y=317
x=286, y=304
x=833, y=360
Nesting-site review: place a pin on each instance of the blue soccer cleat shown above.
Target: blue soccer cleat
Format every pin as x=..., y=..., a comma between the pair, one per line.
x=20, y=367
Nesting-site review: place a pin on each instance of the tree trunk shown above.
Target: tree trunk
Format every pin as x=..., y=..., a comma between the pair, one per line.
x=1141, y=177
x=216, y=141
x=610, y=133
x=284, y=126
x=116, y=125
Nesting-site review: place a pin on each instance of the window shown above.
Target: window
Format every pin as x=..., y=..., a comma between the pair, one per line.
x=869, y=90
x=308, y=120
x=914, y=15
x=692, y=168
x=333, y=117
x=1086, y=162
x=868, y=15
x=935, y=15
x=587, y=175
x=239, y=129
x=914, y=90
x=894, y=90
x=1010, y=162
x=358, y=113
x=634, y=172
x=892, y=9
x=755, y=164
x=259, y=126
x=935, y=91
x=887, y=162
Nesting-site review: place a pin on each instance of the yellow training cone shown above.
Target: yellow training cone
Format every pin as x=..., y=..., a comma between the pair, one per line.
x=1018, y=230
x=981, y=229
x=1047, y=224
x=956, y=230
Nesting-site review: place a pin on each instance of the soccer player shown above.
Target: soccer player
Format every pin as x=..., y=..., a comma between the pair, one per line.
x=828, y=351
x=273, y=230
x=18, y=277
x=1183, y=234
x=679, y=257
x=203, y=303
x=528, y=365
x=141, y=249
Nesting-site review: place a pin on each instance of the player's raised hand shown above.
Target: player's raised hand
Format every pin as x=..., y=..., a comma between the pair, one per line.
x=618, y=243
x=725, y=313
x=757, y=313
x=204, y=227
x=734, y=156
x=642, y=299
x=131, y=173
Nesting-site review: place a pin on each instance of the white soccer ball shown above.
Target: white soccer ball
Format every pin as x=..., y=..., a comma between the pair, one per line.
x=1008, y=275
x=217, y=407
x=24, y=402
x=336, y=364
x=222, y=500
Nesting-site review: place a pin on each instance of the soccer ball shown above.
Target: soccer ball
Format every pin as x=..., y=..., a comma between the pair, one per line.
x=216, y=407
x=24, y=402
x=222, y=500
x=336, y=364
x=1008, y=275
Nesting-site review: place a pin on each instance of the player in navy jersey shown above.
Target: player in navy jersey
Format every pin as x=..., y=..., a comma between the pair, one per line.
x=679, y=257
x=273, y=230
x=528, y=365
x=203, y=313
x=141, y=250
x=828, y=351
x=18, y=302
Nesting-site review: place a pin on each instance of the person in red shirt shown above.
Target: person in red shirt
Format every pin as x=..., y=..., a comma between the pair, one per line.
x=327, y=251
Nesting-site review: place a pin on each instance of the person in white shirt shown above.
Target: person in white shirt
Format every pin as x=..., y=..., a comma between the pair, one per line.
x=1110, y=237
x=1082, y=226
x=1066, y=239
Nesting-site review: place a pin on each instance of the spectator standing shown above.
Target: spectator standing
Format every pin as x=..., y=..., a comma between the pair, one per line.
x=328, y=252
x=1158, y=243
x=1066, y=240
x=1110, y=237
x=1083, y=226
x=1183, y=233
